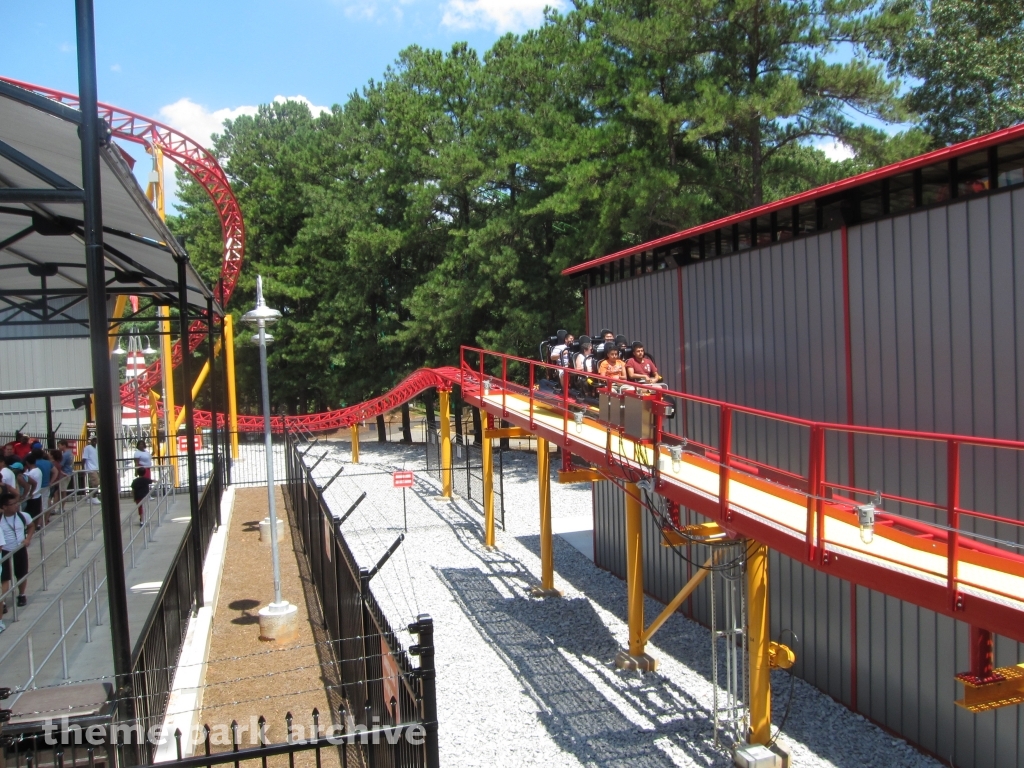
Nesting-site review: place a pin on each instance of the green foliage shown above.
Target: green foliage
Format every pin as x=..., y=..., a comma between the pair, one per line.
x=438, y=206
x=967, y=57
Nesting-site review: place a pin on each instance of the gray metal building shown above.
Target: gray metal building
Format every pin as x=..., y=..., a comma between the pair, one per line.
x=891, y=300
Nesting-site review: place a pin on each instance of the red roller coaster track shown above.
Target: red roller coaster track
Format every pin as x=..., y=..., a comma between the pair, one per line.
x=204, y=168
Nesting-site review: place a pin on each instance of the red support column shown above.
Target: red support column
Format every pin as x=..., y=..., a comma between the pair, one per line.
x=981, y=653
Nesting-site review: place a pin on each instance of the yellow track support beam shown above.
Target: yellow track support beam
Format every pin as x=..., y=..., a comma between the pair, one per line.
x=504, y=432
x=444, y=405
x=634, y=657
x=547, y=551
x=197, y=386
x=706, y=531
x=580, y=476
x=119, y=303
x=229, y=361
x=354, y=431
x=759, y=649
x=677, y=601
x=487, y=455
x=154, y=427
x=164, y=313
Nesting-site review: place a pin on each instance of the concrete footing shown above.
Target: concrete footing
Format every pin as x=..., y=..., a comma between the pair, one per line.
x=641, y=663
x=265, y=530
x=279, y=622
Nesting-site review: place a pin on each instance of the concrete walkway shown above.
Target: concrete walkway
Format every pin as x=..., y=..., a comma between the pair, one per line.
x=87, y=648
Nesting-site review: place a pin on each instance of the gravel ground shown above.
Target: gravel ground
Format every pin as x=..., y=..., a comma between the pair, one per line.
x=524, y=681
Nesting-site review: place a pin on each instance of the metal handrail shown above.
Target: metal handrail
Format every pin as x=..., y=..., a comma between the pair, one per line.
x=91, y=587
x=815, y=482
x=68, y=519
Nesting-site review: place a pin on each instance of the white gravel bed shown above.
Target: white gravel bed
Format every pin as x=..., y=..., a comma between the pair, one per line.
x=525, y=681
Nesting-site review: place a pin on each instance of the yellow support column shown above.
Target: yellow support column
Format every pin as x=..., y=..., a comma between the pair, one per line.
x=547, y=553
x=634, y=657
x=154, y=428
x=164, y=313
x=760, y=642
x=355, y=443
x=119, y=304
x=444, y=404
x=488, y=468
x=229, y=360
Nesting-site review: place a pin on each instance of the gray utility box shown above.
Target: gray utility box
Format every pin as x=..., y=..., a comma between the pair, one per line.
x=638, y=418
x=611, y=408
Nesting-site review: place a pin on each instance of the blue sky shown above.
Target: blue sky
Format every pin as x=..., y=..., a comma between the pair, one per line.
x=191, y=63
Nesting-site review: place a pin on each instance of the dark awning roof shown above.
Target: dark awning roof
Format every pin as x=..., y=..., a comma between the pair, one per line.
x=42, y=252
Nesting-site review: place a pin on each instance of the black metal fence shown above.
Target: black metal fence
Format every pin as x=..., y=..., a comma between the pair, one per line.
x=156, y=652
x=468, y=471
x=378, y=677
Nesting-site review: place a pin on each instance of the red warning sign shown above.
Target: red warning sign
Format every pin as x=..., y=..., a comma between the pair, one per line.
x=402, y=479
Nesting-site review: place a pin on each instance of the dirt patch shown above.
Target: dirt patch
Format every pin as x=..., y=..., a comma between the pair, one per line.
x=246, y=677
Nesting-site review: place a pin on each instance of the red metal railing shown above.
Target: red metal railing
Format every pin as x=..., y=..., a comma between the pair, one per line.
x=478, y=365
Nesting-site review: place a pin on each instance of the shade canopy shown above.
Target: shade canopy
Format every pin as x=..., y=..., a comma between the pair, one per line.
x=42, y=252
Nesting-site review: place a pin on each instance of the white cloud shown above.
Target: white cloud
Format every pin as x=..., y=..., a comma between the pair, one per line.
x=499, y=15
x=835, y=150
x=315, y=109
x=199, y=123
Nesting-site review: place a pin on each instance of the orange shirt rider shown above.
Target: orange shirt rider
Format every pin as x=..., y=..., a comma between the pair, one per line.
x=612, y=367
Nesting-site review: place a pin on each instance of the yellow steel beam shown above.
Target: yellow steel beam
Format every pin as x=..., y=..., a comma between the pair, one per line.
x=547, y=551
x=1005, y=692
x=229, y=361
x=677, y=601
x=154, y=428
x=197, y=387
x=634, y=656
x=509, y=432
x=164, y=313
x=634, y=570
x=155, y=189
x=486, y=453
x=444, y=405
x=708, y=531
x=354, y=431
x=759, y=648
x=580, y=476
x=119, y=303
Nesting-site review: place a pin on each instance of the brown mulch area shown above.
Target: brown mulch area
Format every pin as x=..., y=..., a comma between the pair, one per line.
x=247, y=677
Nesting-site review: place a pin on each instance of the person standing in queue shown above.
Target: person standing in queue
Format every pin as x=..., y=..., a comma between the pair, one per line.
x=16, y=531
x=91, y=464
x=34, y=502
x=143, y=459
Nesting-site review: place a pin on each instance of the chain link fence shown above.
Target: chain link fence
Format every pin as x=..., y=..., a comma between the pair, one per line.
x=467, y=470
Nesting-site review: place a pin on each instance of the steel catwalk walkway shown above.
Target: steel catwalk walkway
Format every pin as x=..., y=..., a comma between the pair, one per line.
x=934, y=566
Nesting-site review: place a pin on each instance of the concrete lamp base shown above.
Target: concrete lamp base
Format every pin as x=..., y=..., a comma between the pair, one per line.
x=279, y=622
x=641, y=663
x=541, y=592
x=265, y=530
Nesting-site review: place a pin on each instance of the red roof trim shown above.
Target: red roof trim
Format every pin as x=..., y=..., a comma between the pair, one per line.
x=946, y=153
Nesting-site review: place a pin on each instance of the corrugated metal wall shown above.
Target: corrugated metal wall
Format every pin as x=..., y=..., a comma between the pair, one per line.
x=937, y=344
x=645, y=310
x=39, y=364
